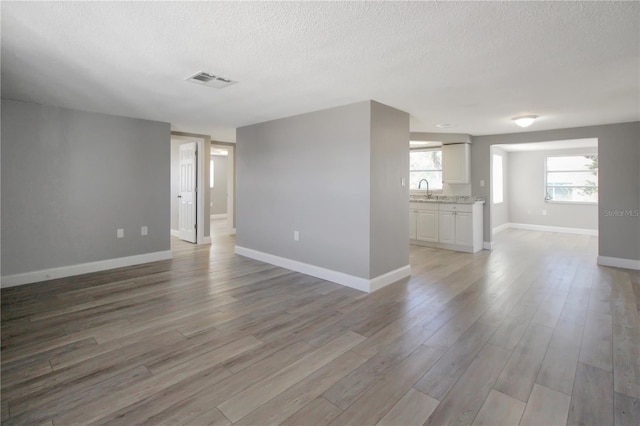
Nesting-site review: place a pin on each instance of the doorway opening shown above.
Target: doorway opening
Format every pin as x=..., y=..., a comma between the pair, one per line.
x=545, y=186
x=183, y=193
x=203, y=178
x=221, y=187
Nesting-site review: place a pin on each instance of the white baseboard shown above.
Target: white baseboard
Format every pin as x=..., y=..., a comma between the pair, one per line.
x=362, y=284
x=206, y=240
x=487, y=245
x=175, y=233
x=500, y=228
x=619, y=262
x=454, y=247
x=83, y=268
x=389, y=278
x=558, y=229
x=219, y=216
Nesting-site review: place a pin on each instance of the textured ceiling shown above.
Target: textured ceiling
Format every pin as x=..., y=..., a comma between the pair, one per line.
x=473, y=64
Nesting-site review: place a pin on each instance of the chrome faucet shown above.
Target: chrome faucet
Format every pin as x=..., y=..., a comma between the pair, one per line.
x=420, y=186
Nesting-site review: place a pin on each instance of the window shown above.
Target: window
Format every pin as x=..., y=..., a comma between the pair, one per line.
x=425, y=164
x=497, y=181
x=211, y=173
x=572, y=179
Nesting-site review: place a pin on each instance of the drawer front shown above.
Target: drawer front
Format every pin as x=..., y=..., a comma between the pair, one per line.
x=467, y=208
x=423, y=206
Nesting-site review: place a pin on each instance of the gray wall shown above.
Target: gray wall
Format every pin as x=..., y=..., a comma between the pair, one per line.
x=619, y=179
x=308, y=173
x=526, y=195
x=389, y=200
x=71, y=178
x=500, y=212
x=314, y=173
x=218, y=200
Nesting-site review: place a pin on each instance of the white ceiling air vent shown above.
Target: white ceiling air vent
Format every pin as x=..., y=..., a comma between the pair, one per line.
x=210, y=80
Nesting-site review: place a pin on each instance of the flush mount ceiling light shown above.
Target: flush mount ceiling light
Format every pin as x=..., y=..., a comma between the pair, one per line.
x=525, y=120
x=444, y=125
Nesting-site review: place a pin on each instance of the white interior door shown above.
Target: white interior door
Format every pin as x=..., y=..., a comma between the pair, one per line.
x=188, y=190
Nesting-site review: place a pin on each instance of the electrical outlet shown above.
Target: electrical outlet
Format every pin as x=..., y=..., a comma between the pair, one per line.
x=296, y=236
x=481, y=182
x=120, y=233
x=144, y=230
x=544, y=212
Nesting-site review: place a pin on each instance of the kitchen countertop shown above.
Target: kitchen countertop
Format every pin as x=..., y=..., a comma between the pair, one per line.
x=445, y=199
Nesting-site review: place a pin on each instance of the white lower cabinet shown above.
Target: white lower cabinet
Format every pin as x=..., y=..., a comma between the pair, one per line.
x=447, y=228
x=427, y=226
x=456, y=228
x=464, y=229
x=423, y=222
x=413, y=215
x=450, y=226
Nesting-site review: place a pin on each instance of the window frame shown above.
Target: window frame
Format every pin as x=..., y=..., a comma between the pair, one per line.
x=546, y=186
x=421, y=191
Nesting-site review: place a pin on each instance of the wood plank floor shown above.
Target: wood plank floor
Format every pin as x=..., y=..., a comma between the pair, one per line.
x=533, y=332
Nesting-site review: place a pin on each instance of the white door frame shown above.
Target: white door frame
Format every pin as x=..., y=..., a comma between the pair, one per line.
x=202, y=204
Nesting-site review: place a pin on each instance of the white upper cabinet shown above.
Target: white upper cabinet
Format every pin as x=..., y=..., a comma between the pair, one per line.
x=455, y=163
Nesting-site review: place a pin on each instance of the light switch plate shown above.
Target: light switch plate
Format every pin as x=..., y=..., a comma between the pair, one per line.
x=120, y=233
x=144, y=230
